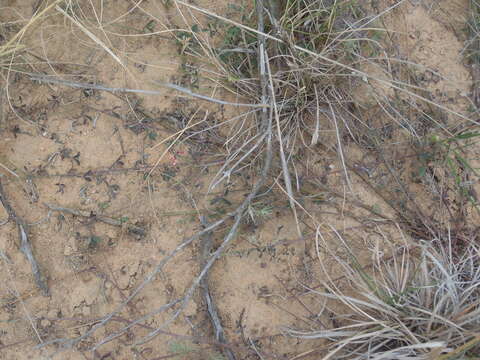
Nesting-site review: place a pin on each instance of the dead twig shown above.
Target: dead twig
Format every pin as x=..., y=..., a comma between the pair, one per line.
x=202, y=279
x=79, y=85
x=211, y=308
x=25, y=245
x=105, y=219
x=91, y=173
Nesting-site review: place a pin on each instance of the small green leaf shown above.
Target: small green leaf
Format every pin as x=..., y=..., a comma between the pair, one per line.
x=434, y=139
x=124, y=219
x=216, y=356
x=149, y=27
x=94, y=241
x=104, y=205
x=376, y=208
x=179, y=348
x=167, y=3
x=152, y=135
x=467, y=135
x=422, y=171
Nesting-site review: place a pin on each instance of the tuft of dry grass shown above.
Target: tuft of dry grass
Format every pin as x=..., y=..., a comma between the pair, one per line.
x=473, y=31
x=422, y=304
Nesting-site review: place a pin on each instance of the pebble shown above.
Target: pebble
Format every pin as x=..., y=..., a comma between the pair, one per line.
x=53, y=314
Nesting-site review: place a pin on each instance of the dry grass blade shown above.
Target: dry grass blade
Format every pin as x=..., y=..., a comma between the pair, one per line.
x=12, y=46
x=91, y=36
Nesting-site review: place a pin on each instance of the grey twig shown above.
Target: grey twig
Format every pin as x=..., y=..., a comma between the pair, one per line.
x=203, y=97
x=92, y=173
x=206, y=245
x=138, y=321
x=105, y=219
x=80, y=85
x=25, y=246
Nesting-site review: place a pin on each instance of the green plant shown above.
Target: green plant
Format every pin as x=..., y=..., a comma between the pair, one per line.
x=180, y=348
x=94, y=242
x=260, y=210
x=184, y=348
x=104, y=205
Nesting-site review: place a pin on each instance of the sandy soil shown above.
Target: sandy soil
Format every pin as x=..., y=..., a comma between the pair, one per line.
x=85, y=151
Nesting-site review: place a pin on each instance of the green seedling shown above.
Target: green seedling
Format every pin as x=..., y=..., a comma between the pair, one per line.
x=94, y=241
x=104, y=205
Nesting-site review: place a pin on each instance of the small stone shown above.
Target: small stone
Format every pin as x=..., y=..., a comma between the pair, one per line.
x=112, y=233
x=68, y=250
x=71, y=246
x=53, y=314
x=45, y=323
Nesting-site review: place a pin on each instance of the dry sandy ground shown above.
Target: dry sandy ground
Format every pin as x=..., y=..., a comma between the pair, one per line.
x=83, y=150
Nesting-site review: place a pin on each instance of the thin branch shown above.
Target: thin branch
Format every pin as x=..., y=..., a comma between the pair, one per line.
x=25, y=246
x=203, y=97
x=211, y=308
x=105, y=219
x=80, y=85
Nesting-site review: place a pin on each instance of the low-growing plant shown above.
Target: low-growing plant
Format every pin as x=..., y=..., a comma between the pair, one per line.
x=450, y=154
x=473, y=33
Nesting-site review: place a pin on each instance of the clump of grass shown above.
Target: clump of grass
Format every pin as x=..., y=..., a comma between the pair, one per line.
x=311, y=47
x=418, y=305
x=448, y=158
x=473, y=32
